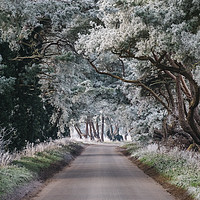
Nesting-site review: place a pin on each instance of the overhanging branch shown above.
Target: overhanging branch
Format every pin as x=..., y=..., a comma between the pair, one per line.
x=137, y=82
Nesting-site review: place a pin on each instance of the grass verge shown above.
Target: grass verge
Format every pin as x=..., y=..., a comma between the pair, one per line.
x=178, y=171
x=41, y=166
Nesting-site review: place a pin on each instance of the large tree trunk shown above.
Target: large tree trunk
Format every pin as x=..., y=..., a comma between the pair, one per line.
x=171, y=98
x=78, y=131
x=187, y=123
x=111, y=128
x=116, y=131
x=102, y=129
x=197, y=116
x=91, y=132
x=94, y=130
x=97, y=128
x=87, y=127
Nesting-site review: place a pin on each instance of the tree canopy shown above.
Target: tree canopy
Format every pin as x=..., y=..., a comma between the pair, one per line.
x=134, y=62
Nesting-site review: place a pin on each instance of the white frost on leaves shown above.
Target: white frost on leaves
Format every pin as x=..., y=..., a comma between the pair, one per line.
x=18, y=17
x=140, y=24
x=161, y=25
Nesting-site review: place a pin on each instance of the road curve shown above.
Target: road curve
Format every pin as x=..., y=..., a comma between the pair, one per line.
x=102, y=173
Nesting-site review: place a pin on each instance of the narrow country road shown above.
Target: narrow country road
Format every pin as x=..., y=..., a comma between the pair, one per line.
x=102, y=173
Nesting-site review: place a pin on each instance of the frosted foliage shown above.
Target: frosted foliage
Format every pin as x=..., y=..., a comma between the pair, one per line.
x=70, y=87
x=58, y=77
x=196, y=72
x=140, y=27
x=63, y=83
x=168, y=19
x=147, y=118
x=143, y=115
x=161, y=25
x=102, y=39
x=192, y=43
x=20, y=16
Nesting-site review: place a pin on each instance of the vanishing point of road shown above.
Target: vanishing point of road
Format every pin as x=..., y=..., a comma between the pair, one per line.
x=102, y=173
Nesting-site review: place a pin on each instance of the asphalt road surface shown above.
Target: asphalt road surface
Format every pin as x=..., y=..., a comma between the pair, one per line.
x=102, y=173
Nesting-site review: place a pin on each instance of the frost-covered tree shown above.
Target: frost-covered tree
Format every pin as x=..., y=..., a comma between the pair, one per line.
x=94, y=98
x=151, y=44
x=32, y=29
x=22, y=108
x=43, y=33
x=161, y=40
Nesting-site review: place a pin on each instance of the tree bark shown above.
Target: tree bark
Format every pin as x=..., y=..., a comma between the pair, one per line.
x=102, y=129
x=78, y=131
x=91, y=132
x=197, y=116
x=111, y=127
x=86, y=127
x=171, y=98
x=97, y=128
x=184, y=122
x=94, y=130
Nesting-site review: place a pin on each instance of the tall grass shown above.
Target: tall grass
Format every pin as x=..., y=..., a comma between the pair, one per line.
x=5, y=156
x=30, y=150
